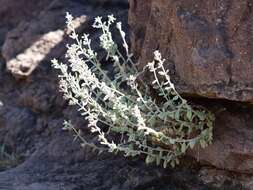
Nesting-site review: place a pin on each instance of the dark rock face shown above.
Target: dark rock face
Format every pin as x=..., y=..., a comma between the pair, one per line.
x=233, y=142
x=37, y=40
x=207, y=43
x=10, y=17
x=42, y=39
x=32, y=111
x=208, y=47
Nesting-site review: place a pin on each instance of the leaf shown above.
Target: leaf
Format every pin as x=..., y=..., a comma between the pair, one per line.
x=177, y=114
x=202, y=143
x=75, y=137
x=65, y=128
x=162, y=115
x=201, y=115
x=161, y=73
x=192, y=144
x=171, y=114
x=152, y=121
x=175, y=98
x=209, y=124
x=167, y=104
x=165, y=164
x=149, y=159
x=94, y=149
x=172, y=141
x=189, y=114
x=100, y=152
x=183, y=147
x=83, y=145
x=106, y=97
x=172, y=163
x=177, y=161
x=158, y=160
x=127, y=154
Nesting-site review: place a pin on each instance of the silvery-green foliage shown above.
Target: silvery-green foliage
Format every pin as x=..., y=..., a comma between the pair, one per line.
x=121, y=110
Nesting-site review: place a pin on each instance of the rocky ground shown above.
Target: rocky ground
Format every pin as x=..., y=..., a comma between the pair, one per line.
x=35, y=153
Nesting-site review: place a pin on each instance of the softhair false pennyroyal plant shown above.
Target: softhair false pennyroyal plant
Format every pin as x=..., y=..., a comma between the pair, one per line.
x=120, y=109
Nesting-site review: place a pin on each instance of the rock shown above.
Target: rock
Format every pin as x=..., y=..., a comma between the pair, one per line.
x=209, y=48
x=32, y=113
x=208, y=44
x=10, y=17
x=31, y=42
x=61, y=164
x=44, y=37
x=10, y=118
x=222, y=179
x=2, y=65
x=39, y=98
x=232, y=147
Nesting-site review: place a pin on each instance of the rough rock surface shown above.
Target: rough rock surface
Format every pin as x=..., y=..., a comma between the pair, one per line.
x=10, y=17
x=208, y=47
x=42, y=39
x=32, y=112
x=207, y=43
x=232, y=148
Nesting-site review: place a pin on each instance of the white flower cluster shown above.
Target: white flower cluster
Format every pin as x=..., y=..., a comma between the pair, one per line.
x=122, y=105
